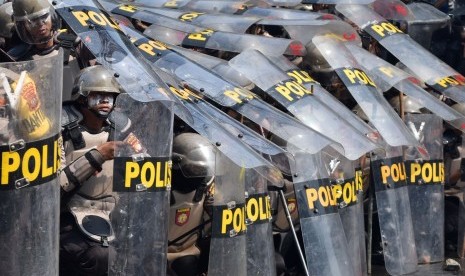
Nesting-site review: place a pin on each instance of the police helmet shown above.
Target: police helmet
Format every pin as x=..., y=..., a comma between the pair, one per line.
x=6, y=20
x=409, y=105
x=29, y=17
x=193, y=162
x=94, y=79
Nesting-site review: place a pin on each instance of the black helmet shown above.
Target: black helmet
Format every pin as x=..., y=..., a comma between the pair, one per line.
x=193, y=162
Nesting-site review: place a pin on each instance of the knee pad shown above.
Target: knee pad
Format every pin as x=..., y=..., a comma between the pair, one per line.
x=186, y=265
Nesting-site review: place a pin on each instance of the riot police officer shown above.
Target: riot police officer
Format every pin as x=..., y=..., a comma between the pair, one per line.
x=193, y=176
x=86, y=176
x=36, y=25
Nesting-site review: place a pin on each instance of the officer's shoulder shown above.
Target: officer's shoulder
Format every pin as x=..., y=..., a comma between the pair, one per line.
x=20, y=51
x=70, y=114
x=119, y=120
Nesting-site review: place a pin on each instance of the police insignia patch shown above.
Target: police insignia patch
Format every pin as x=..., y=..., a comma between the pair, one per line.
x=182, y=216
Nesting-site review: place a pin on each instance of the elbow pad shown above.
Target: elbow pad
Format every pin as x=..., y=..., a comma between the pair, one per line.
x=81, y=169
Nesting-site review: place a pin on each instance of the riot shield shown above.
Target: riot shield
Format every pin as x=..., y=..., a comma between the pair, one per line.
x=393, y=10
x=348, y=190
x=217, y=65
x=300, y=102
x=324, y=240
x=305, y=30
x=425, y=179
x=205, y=117
x=388, y=76
x=256, y=8
x=437, y=74
x=395, y=221
x=228, y=134
x=230, y=42
x=220, y=22
x=428, y=20
x=259, y=236
x=335, y=2
x=363, y=89
x=112, y=49
x=304, y=78
x=228, y=240
x=141, y=182
x=31, y=157
x=176, y=32
x=242, y=101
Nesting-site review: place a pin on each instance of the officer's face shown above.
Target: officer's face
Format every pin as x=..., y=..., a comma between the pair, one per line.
x=100, y=102
x=40, y=27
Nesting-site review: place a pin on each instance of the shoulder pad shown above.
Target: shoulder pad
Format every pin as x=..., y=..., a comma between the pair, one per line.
x=70, y=115
x=119, y=120
x=19, y=51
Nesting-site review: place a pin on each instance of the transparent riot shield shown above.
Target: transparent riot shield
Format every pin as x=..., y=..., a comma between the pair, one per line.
x=425, y=179
x=300, y=102
x=304, y=78
x=218, y=40
x=348, y=190
x=230, y=135
x=111, y=48
x=364, y=90
x=428, y=20
x=387, y=76
x=228, y=240
x=304, y=30
x=141, y=182
x=220, y=22
x=437, y=74
x=217, y=65
x=229, y=95
x=393, y=204
x=259, y=236
x=30, y=94
x=325, y=243
x=257, y=8
x=393, y=10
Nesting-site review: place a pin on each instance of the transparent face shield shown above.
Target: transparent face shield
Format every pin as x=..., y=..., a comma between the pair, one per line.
x=37, y=28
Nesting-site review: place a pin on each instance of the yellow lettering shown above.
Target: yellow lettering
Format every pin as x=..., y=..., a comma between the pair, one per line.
x=378, y=29
x=81, y=17
x=132, y=171
x=151, y=171
x=252, y=209
x=10, y=163
x=147, y=48
x=285, y=92
x=385, y=173
x=226, y=220
x=46, y=170
x=350, y=75
x=34, y=154
x=128, y=8
x=415, y=170
x=387, y=71
x=312, y=196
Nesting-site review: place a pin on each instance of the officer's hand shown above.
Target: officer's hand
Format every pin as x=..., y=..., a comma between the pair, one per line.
x=107, y=149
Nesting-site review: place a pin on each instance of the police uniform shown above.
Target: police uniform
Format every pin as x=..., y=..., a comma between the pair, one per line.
x=87, y=181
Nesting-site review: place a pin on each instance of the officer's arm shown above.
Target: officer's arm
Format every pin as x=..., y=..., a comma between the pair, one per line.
x=77, y=172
